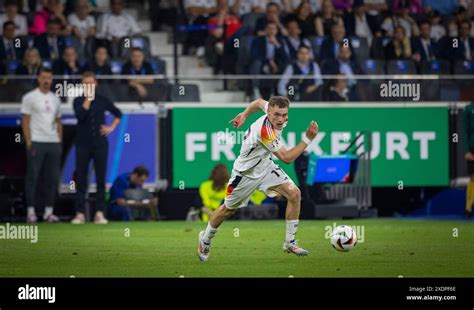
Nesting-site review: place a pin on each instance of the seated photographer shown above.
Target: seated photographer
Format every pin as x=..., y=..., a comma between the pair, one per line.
x=127, y=194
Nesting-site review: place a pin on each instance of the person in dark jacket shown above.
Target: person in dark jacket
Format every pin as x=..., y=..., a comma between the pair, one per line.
x=269, y=57
x=91, y=144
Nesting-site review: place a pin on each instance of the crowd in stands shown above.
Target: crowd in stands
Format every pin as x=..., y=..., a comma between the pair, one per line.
x=344, y=37
x=72, y=42
x=280, y=37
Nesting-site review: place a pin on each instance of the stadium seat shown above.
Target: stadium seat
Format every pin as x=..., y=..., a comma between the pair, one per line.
x=141, y=42
x=116, y=65
x=360, y=48
x=401, y=67
x=431, y=90
x=184, y=93
x=435, y=67
x=158, y=65
x=373, y=66
x=464, y=67
x=316, y=42
x=11, y=66
x=48, y=63
x=368, y=89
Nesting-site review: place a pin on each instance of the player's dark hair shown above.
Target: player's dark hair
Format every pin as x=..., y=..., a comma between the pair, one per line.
x=279, y=101
x=8, y=23
x=136, y=49
x=87, y=74
x=220, y=176
x=44, y=70
x=303, y=46
x=273, y=4
x=423, y=22
x=10, y=3
x=141, y=171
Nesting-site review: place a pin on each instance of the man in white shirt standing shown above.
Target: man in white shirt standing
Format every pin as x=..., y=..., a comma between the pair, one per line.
x=116, y=25
x=42, y=131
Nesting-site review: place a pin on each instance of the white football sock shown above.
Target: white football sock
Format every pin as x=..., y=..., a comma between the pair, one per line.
x=47, y=212
x=30, y=211
x=291, y=229
x=209, y=233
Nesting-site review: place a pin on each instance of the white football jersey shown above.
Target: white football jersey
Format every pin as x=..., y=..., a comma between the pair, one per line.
x=261, y=140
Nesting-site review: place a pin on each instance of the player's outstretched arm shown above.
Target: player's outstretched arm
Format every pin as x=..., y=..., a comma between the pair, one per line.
x=288, y=156
x=253, y=107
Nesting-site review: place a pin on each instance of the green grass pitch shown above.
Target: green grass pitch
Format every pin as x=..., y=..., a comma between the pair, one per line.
x=391, y=247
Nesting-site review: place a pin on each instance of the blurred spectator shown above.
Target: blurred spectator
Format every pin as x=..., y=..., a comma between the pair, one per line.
x=213, y=191
x=327, y=18
x=52, y=9
x=138, y=66
x=342, y=6
x=163, y=12
x=82, y=23
x=198, y=12
x=50, y=44
x=403, y=19
x=331, y=45
x=376, y=8
x=241, y=7
x=43, y=133
x=303, y=89
x=117, y=24
x=127, y=194
x=304, y=18
x=92, y=145
x=399, y=46
x=345, y=65
x=465, y=48
x=424, y=47
x=216, y=52
x=11, y=14
x=359, y=23
x=269, y=57
x=99, y=65
x=31, y=63
x=336, y=90
x=10, y=46
x=437, y=30
x=415, y=7
x=272, y=15
x=444, y=7
x=68, y=64
x=294, y=40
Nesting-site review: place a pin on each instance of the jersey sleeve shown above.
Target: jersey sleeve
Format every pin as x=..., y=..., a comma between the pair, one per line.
x=269, y=138
x=265, y=108
x=26, y=105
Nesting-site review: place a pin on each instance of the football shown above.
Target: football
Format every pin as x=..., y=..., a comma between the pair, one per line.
x=343, y=238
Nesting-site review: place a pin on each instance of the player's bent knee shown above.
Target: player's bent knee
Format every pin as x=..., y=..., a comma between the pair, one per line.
x=294, y=194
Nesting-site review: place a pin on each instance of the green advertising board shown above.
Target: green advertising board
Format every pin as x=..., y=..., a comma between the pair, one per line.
x=409, y=144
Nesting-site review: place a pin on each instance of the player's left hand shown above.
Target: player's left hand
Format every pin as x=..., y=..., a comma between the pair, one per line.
x=106, y=130
x=312, y=130
x=239, y=120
